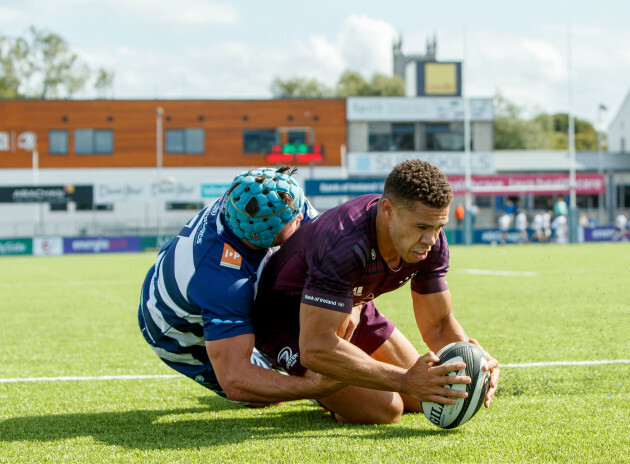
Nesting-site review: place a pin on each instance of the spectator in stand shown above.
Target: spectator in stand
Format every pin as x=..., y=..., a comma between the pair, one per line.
x=504, y=225
x=474, y=211
x=621, y=222
x=521, y=225
x=510, y=209
x=560, y=207
x=460, y=213
x=537, y=226
x=546, y=219
x=561, y=229
x=582, y=224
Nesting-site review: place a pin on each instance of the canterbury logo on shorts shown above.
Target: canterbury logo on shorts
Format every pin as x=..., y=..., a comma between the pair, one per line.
x=287, y=357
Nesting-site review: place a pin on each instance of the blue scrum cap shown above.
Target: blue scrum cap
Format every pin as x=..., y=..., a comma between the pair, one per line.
x=261, y=202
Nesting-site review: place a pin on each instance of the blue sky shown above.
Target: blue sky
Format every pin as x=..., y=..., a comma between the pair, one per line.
x=234, y=49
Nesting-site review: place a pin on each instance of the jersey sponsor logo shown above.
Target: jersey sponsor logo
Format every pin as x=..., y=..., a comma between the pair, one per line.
x=202, y=229
x=230, y=257
x=318, y=299
x=216, y=206
x=357, y=291
x=287, y=357
x=222, y=322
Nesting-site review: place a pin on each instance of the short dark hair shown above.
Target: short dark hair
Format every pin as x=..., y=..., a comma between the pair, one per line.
x=416, y=180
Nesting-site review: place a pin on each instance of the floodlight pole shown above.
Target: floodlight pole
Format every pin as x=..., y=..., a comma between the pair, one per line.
x=573, y=219
x=159, y=113
x=600, y=162
x=468, y=223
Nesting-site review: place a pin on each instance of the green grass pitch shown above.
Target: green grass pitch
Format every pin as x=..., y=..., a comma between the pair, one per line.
x=75, y=316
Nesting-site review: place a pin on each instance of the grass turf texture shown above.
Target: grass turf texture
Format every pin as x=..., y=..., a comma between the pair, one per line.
x=76, y=316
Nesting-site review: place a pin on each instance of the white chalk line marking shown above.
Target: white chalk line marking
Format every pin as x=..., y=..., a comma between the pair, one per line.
x=104, y=377
x=486, y=272
x=568, y=363
x=67, y=283
x=143, y=377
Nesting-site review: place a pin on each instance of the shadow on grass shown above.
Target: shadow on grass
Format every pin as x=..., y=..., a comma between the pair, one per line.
x=211, y=426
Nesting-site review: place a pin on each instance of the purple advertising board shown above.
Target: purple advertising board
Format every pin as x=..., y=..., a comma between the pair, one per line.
x=101, y=244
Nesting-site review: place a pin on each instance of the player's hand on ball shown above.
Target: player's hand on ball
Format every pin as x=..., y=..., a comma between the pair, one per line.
x=426, y=382
x=492, y=366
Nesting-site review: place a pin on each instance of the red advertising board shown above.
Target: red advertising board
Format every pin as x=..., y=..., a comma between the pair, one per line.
x=539, y=184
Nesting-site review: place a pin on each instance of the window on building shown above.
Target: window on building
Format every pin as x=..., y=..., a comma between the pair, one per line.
x=58, y=207
x=444, y=137
x=623, y=196
x=58, y=142
x=296, y=137
x=93, y=141
x=94, y=207
x=172, y=206
x=384, y=136
x=188, y=141
x=403, y=137
x=587, y=201
x=623, y=144
x=259, y=140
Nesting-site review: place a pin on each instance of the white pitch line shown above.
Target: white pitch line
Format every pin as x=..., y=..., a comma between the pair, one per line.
x=66, y=283
x=143, y=377
x=104, y=377
x=568, y=363
x=487, y=272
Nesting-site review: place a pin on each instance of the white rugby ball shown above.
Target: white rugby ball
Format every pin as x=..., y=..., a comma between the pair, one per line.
x=449, y=416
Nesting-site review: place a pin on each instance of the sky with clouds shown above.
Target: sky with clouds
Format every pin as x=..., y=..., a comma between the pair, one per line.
x=234, y=49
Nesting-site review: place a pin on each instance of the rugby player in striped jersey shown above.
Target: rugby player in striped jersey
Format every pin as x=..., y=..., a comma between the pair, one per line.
x=195, y=301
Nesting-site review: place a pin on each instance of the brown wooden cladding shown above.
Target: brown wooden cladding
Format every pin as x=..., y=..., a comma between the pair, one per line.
x=134, y=126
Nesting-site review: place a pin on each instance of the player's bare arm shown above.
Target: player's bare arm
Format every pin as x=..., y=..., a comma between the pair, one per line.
x=323, y=351
x=243, y=381
x=439, y=327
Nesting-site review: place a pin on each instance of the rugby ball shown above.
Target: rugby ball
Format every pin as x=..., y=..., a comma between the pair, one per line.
x=449, y=416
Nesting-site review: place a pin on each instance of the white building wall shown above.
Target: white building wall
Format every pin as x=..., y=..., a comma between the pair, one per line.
x=357, y=134
x=482, y=136
x=619, y=129
x=128, y=217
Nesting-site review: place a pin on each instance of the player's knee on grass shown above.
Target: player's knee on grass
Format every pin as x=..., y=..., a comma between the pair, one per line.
x=388, y=409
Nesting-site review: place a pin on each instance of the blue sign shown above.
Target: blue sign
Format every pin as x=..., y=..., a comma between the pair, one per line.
x=351, y=187
x=101, y=244
x=213, y=190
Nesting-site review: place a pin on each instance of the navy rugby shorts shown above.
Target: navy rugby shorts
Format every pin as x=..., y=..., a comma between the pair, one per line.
x=283, y=352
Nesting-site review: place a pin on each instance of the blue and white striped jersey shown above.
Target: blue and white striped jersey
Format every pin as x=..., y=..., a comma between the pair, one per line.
x=201, y=287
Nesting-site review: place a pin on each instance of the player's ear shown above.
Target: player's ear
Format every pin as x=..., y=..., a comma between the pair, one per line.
x=388, y=207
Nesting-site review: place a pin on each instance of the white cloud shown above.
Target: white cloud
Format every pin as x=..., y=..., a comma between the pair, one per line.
x=366, y=45
x=173, y=13
x=246, y=70
x=188, y=12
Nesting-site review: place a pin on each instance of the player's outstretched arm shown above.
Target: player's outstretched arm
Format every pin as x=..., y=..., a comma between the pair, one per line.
x=243, y=381
x=323, y=350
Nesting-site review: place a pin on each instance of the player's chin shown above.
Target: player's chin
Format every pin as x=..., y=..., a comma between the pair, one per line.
x=417, y=256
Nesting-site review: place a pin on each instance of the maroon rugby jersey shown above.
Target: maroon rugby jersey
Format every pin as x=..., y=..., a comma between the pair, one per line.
x=333, y=262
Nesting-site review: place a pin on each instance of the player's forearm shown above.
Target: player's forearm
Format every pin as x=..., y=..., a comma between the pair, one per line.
x=347, y=363
x=257, y=385
x=436, y=337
